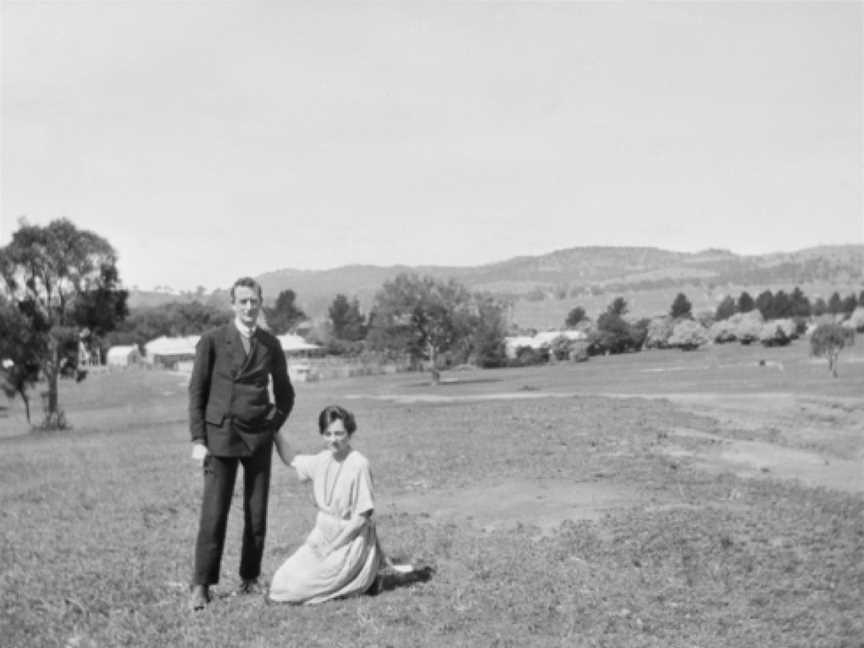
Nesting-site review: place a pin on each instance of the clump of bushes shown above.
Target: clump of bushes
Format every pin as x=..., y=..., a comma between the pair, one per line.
x=688, y=335
x=658, y=333
x=742, y=327
x=560, y=347
x=564, y=349
x=527, y=356
x=779, y=332
x=338, y=347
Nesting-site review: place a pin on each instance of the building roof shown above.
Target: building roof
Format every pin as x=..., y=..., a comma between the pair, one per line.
x=570, y=334
x=122, y=354
x=186, y=345
x=172, y=345
x=122, y=350
x=291, y=342
x=543, y=338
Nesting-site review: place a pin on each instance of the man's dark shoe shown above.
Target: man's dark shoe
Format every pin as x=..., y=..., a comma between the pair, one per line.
x=250, y=586
x=199, y=598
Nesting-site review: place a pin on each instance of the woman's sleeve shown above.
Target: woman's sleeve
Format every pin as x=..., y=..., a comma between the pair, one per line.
x=304, y=465
x=364, y=500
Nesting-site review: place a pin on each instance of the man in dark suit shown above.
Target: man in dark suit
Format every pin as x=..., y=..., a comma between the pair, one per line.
x=232, y=420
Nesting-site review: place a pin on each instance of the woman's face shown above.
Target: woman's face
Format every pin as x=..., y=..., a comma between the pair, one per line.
x=336, y=438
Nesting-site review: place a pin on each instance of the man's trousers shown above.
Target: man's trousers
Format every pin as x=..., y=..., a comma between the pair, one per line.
x=219, y=477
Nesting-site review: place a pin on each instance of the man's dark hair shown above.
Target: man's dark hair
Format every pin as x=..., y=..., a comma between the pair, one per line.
x=247, y=282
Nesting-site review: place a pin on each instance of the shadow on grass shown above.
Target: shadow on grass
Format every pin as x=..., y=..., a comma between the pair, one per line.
x=388, y=581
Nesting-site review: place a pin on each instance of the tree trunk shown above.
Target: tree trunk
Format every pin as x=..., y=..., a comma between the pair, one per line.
x=52, y=373
x=832, y=362
x=52, y=377
x=433, y=358
x=52, y=391
x=26, y=400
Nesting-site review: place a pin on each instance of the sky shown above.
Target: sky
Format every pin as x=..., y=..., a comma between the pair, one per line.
x=210, y=140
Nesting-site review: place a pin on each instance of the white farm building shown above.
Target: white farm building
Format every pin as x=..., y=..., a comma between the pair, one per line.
x=123, y=356
x=168, y=351
x=179, y=352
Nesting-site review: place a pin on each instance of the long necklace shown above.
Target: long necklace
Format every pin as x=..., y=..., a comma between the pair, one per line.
x=328, y=499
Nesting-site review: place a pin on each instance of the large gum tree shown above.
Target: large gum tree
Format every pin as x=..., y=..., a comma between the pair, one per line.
x=421, y=316
x=62, y=279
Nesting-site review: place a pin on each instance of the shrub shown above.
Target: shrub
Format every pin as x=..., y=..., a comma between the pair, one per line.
x=800, y=325
x=527, y=356
x=639, y=333
x=748, y=327
x=560, y=348
x=744, y=327
x=491, y=355
x=778, y=332
x=339, y=347
x=688, y=335
x=579, y=352
x=722, y=332
x=705, y=318
x=659, y=331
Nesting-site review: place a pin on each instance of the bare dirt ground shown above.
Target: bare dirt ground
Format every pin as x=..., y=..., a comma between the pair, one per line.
x=812, y=438
x=544, y=504
x=816, y=441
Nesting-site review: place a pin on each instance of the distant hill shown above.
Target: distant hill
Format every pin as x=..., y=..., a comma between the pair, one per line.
x=543, y=288
x=148, y=298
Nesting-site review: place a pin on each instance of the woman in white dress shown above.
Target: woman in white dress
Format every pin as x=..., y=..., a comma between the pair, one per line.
x=341, y=555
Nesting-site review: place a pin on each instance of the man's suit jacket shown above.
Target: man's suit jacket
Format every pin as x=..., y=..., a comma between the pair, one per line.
x=229, y=403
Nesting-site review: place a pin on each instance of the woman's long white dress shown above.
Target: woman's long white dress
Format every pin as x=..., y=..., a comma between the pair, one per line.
x=341, y=489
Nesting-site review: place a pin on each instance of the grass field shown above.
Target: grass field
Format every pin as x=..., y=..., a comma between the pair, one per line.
x=654, y=499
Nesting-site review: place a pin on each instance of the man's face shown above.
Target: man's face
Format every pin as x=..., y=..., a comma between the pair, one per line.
x=246, y=305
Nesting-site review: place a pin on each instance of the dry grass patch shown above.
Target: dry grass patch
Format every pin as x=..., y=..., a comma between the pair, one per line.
x=97, y=528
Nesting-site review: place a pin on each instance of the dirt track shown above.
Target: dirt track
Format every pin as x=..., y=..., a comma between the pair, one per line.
x=817, y=441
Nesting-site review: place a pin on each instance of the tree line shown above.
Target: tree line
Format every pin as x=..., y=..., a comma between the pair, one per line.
x=61, y=290
x=425, y=320
x=795, y=304
x=771, y=306
x=773, y=319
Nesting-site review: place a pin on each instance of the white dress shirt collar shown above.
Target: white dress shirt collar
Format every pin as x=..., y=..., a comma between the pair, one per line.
x=245, y=331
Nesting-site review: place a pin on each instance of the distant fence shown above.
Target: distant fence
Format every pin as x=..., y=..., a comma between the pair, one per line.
x=330, y=368
x=300, y=369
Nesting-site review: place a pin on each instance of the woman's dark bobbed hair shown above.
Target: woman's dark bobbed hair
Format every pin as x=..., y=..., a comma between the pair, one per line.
x=336, y=413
